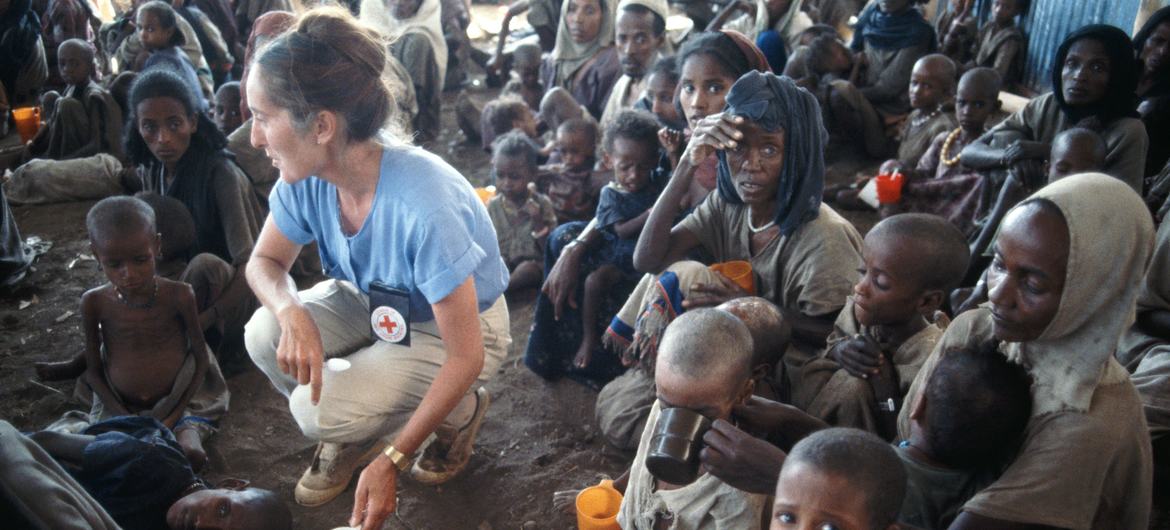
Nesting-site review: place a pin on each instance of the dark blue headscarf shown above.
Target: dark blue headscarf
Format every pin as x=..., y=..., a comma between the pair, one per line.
x=776, y=103
x=891, y=31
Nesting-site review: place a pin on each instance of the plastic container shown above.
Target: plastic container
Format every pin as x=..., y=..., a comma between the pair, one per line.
x=28, y=122
x=673, y=455
x=486, y=193
x=597, y=507
x=889, y=187
x=739, y=272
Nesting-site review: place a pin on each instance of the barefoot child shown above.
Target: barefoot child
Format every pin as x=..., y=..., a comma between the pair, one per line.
x=912, y=261
x=522, y=217
x=145, y=353
x=704, y=366
x=133, y=467
x=567, y=180
x=631, y=152
x=84, y=120
x=839, y=478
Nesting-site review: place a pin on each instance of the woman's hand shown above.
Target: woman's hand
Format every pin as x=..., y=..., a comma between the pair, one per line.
x=376, y=496
x=561, y=283
x=717, y=131
x=300, y=353
x=713, y=294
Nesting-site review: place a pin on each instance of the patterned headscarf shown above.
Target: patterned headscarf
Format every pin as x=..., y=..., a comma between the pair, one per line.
x=776, y=103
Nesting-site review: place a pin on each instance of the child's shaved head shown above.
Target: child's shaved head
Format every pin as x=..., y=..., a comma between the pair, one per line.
x=932, y=81
x=558, y=106
x=174, y=222
x=115, y=217
x=939, y=65
x=827, y=54
x=847, y=473
x=707, y=344
x=982, y=82
x=770, y=331
x=526, y=55
x=1077, y=150
x=975, y=390
x=936, y=251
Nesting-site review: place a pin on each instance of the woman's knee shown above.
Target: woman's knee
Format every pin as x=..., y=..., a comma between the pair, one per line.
x=261, y=336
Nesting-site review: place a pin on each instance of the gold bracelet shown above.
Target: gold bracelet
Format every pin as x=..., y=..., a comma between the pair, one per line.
x=398, y=458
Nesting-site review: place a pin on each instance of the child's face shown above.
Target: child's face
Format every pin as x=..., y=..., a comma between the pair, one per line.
x=1005, y=10
x=928, y=86
x=74, y=63
x=529, y=73
x=756, y=163
x=1157, y=47
x=151, y=32
x=512, y=176
x=974, y=104
x=1069, y=158
x=713, y=397
x=129, y=261
x=893, y=6
x=583, y=18
x=1085, y=73
x=632, y=162
x=636, y=42
x=703, y=87
x=1026, y=278
x=575, y=149
x=841, y=61
x=527, y=123
x=218, y=508
x=227, y=110
x=887, y=294
x=166, y=127
x=660, y=89
x=808, y=499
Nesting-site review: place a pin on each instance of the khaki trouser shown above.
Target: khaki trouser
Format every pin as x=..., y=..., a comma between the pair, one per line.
x=385, y=382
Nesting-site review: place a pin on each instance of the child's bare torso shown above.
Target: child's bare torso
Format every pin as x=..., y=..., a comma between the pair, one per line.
x=144, y=347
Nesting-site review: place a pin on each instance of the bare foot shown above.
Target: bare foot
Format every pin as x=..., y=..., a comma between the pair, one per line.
x=192, y=448
x=584, y=355
x=60, y=370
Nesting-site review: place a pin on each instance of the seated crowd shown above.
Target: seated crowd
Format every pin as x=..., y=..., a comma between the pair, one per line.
x=994, y=352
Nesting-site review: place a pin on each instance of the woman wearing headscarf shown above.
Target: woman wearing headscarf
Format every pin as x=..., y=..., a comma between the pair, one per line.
x=584, y=61
x=769, y=142
x=1093, y=82
x=23, y=69
x=1068, y=268
x=890, y=36
x=1152, y=44
x=418, y=44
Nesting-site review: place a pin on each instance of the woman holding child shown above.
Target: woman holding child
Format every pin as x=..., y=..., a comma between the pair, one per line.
x=421, y=251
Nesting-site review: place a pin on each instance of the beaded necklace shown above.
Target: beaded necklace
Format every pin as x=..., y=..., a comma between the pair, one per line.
x=946, y=148
x=149, y=303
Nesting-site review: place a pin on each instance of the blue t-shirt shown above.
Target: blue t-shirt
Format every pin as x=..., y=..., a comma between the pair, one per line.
x=426, y=232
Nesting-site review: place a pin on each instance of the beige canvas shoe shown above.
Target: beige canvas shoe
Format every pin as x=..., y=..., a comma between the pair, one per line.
x=452, y=449
x=332, y=469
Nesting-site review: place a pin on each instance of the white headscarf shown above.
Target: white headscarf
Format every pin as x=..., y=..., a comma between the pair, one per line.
x=427, y=21
x=568, y=55
x=1110, y=241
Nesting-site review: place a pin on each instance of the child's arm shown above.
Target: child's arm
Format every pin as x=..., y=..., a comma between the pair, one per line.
x=185, y=303
x=94, y=367
x=97, y=120
x=630, y=228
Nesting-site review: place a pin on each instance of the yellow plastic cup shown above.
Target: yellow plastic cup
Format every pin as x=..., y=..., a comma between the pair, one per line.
x=597, y=507
x=486, y=194
x=28, y=121
x=739, y=272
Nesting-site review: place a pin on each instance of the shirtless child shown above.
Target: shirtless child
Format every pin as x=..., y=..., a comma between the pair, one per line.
x=144, y=349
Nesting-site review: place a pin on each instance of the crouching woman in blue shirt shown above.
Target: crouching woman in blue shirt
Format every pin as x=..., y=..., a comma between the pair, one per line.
x=382, y=213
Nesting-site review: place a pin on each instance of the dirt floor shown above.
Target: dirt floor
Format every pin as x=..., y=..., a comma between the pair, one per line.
x=539, y=436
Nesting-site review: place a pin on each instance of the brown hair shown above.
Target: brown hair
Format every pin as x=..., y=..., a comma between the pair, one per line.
x=330, y=61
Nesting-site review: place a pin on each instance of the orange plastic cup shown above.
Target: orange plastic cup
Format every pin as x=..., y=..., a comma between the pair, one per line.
x=739, y=272
x=486, y=194
x=889, y=187
x=597, y=507
x=28, y=121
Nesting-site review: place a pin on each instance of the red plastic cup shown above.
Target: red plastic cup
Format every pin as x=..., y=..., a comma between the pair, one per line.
x=889, y=187
x=28, y=121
